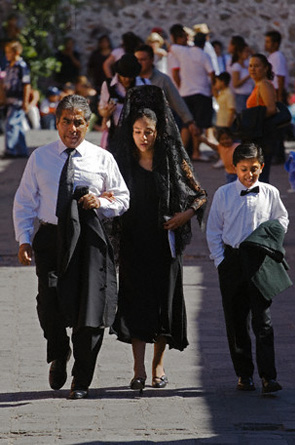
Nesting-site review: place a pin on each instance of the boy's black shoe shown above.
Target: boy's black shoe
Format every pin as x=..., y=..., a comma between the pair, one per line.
x=245, y=384
x=269, y=386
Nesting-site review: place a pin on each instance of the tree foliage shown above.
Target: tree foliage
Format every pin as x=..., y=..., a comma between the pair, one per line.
x=45, y=25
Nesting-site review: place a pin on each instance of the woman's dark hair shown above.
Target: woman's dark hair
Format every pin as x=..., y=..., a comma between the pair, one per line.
x=74, y=102
x=130, y=42
x=237, y=51
x=239, y=44
x=266, y=63
x=144, y=112
x=248, y=150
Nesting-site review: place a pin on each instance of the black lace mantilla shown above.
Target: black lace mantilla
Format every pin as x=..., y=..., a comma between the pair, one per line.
x=177, y=186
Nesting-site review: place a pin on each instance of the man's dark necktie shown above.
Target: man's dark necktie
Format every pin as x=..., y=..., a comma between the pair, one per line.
x=254, y=190
x=66, y=184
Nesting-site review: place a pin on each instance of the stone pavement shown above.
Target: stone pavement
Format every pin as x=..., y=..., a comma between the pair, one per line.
x=200, y=404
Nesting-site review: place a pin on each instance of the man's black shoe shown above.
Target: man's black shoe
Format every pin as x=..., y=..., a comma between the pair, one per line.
x=78, y=391
x=245, y=384
x=58, y=372
x=269, y=386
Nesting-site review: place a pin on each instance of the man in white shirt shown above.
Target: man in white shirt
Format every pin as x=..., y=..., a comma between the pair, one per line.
x=280, y=81
x=237, y=210
x=36, y=198
x=279, y=64
x=196, y=75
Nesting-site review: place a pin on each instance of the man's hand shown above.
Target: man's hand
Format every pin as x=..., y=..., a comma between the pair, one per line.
x=25, y=254
x=91, y=201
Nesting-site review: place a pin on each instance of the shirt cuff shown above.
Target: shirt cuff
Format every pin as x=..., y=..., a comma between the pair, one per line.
x=24, y=239
x=104, y=203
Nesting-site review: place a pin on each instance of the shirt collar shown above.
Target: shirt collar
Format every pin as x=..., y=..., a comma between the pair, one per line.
x=241, y=187
x=80, y=149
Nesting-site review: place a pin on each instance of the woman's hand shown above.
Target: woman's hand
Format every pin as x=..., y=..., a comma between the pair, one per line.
x=179, y=219
x=108, y=110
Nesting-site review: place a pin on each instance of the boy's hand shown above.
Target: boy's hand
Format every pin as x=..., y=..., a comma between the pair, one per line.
x=25, y=254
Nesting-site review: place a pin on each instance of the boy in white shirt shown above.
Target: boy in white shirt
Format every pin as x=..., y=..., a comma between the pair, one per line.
x=241, y=211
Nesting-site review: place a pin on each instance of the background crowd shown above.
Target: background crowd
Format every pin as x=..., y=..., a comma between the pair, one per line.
x=207, y=82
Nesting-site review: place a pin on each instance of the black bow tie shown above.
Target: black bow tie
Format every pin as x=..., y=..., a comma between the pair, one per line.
x=254, y=190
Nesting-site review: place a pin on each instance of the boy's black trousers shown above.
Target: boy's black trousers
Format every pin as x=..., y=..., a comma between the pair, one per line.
x=244, y=305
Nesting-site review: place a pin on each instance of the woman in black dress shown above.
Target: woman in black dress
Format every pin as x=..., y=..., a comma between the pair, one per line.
x=164, y=197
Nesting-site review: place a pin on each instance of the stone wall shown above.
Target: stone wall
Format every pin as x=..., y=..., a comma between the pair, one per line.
x=250, y=18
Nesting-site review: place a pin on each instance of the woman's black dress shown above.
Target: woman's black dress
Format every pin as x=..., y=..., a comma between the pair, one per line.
x=151, y=301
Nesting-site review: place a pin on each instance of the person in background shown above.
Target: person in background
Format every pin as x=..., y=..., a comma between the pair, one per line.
x=145, y=57
x=225, y=100
x=130, y=42
x=280, y=82
x=70, y=63
x=225, y=148
x=241, y=82
x=195, y=79
x=67, y=89
x=33, y=118
x=264, y=95
x=16, y=89
x=221, y=57
x=48, y=108
x=208, y=47
x=113, y=93
x=96, y=60
x=160, y=54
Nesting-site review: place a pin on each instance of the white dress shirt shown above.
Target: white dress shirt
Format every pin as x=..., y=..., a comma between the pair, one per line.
x=232, y=217
x=37, y=193
x=279, y=67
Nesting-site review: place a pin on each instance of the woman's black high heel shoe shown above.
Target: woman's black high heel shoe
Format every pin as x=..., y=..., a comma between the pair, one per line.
x=137, y=383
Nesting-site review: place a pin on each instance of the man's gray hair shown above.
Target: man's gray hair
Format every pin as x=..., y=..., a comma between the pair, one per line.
x=74, y=102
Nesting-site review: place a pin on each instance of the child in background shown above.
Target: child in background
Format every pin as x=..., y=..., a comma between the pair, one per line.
x=245, y=231
x=16, y=90
x=225, y=149
x=48, y=107
x=225, y=99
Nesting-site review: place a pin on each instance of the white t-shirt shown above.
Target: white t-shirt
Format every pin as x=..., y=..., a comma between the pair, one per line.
x=279, y=67
x=195, y=66
x=247, y=86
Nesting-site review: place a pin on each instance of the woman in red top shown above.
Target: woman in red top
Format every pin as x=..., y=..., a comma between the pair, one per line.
x=264, y=94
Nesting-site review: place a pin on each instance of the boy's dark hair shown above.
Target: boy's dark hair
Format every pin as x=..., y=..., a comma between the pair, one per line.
x=147, y=49
x=275, y=37
x=223, y=130
x=200, y=40
x=248, y=150
x=224, y=77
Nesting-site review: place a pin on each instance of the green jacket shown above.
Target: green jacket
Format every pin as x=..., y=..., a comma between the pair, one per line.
x=262, y=254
